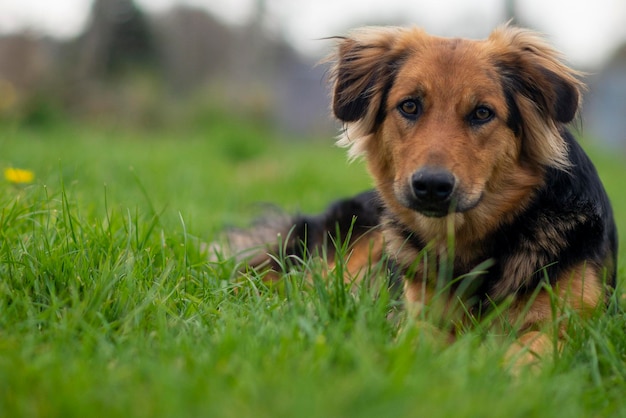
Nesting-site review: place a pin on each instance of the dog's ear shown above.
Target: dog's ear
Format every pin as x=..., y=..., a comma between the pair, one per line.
x=532, y=68
x=542, y=93
x=364, y=66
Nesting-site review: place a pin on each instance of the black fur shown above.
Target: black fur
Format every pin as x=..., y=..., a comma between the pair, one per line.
x=559, y=103
x=568, y=221
x=343, y=222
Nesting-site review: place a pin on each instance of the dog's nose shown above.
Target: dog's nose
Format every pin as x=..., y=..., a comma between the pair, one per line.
x=432, y=185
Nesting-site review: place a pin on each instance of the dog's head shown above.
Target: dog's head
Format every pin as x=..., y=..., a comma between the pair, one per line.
x=445, y=122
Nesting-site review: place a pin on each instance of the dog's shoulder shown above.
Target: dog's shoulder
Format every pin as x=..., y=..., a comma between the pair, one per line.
x=569, y=221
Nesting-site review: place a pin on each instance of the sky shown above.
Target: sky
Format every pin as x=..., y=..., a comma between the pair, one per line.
x=586, y=31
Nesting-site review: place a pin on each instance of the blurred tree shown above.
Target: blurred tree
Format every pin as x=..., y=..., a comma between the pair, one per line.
x=118, y=38
x=193, y=47
x=132, y=68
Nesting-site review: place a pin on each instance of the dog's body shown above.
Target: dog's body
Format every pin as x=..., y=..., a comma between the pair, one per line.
x=473, y=167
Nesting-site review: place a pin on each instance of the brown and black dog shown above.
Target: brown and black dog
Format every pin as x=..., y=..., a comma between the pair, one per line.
x=475, y=173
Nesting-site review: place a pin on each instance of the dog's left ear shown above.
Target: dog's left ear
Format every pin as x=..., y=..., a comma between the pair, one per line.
x=532, y=68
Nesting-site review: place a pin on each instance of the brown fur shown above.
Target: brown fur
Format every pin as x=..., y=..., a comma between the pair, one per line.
x=453, y=76
x=491, y=115
x=497, y=169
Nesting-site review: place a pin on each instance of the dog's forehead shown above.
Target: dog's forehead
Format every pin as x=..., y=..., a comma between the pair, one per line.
x=447, y=56
x=447, y=63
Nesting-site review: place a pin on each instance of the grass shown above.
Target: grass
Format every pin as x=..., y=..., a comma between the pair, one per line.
x=108, y=307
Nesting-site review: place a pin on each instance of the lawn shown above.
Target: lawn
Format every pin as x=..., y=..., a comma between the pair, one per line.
x=108, y=307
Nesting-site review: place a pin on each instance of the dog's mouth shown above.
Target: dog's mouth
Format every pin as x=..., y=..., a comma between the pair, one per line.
x=432, y=210
x=457, y=202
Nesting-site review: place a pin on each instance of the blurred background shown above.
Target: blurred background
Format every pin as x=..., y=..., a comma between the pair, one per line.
x=148, y=63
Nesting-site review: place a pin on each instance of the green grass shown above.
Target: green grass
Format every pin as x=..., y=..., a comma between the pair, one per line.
x=109, y=308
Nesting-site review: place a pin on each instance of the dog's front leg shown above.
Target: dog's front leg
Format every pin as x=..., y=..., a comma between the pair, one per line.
x=530, y=350
x=578, y=291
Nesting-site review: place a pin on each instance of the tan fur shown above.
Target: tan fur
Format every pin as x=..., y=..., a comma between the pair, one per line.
x=486, y=164
x=499, y=170
x=529, y=350
x=579, y=290
x=496, y=171
x=361, y=256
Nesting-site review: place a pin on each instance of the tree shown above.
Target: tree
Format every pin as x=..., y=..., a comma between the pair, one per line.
x=117, y=39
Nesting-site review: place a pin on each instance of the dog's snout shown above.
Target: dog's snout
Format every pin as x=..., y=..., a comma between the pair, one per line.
x=432, y=184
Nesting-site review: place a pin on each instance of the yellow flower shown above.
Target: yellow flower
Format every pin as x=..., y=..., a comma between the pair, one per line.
x=18, y=176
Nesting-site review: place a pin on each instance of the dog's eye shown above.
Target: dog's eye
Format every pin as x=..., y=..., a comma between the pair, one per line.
x=410, y=109
x=481, y=114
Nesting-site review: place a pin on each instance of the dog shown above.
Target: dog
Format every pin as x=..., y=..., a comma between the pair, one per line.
x=482, y=197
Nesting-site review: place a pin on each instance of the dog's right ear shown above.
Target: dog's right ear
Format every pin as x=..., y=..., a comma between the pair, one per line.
x=364, y=68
